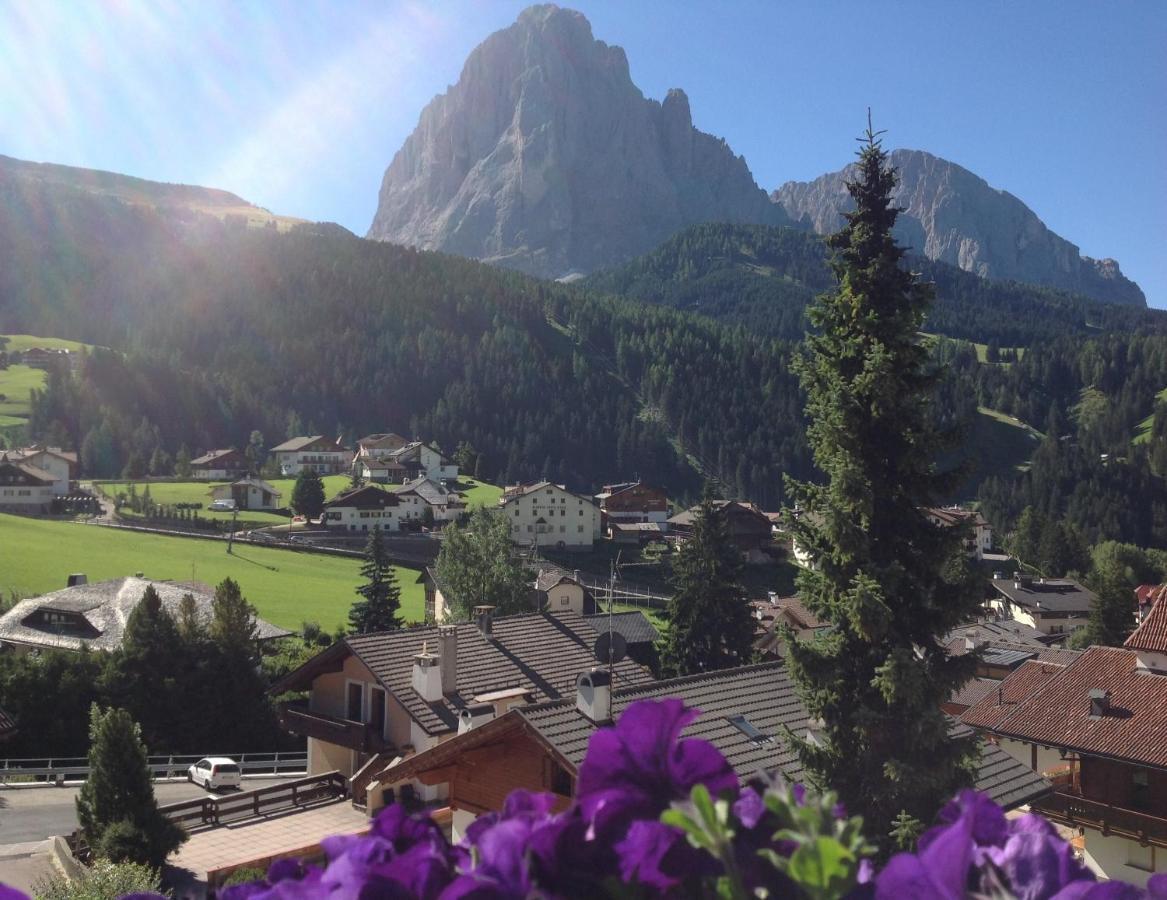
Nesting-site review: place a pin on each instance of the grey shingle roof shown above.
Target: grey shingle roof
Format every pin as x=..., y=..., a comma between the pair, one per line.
x=634, y=626
x=101, y=611
x=766, y=696
x=543, y=652
x=1056, y=596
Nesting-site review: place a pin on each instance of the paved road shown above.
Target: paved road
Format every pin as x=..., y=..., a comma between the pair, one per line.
x=33, y=814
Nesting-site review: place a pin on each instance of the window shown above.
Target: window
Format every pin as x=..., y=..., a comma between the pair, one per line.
x=529, y=529
x=354, y=701
x=581, y=529
x=746, y=727
x=562, y=529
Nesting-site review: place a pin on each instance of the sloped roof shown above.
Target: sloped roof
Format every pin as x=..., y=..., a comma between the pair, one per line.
x=763, y=693
x=102, y=610
x=955, y=515
x=429, y=491
x=689, y=516
x=543, y=652
x=27, y=469
x=69, y=456
x=998, y=705
x=634, y=626
x=7, y=725
x=1058, y=714
x=366, y=496
x=1151, y=635
x=974, y=690
x=212, y=456
x=1145, y=593
x=1054, y=595
x=1009, y=630
x=299, y=443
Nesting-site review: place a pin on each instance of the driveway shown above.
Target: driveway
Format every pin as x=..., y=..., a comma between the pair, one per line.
x=30, y=814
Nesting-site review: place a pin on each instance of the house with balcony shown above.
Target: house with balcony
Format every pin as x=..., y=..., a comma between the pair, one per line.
x=375, y=700
x=774, y=612
x=750, y=529
x=540, y=747
x=1098, y=727
x=362, y=509
x=60, y=464
x=632, y=503
x=1054, y=606
x=389, y=459
x=313, y=453
x=23, y=487
x=979, y=533
x=220, y=465
x=549, y=515
x=422, y=493
x=248, y=493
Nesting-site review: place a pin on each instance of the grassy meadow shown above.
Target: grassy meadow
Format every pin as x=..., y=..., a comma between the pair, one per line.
x=285, y=586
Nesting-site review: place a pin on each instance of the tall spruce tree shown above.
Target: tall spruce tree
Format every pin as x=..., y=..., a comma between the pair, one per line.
x=380, y=596
x=710, y=626
x=889, y=582
x=308, y=494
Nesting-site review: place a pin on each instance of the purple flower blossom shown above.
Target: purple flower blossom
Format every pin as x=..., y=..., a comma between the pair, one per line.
x=636, y=769
x=750, y=807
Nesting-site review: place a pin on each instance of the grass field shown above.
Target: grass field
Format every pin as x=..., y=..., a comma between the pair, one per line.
x=15, y=383
x=480, y=493
x=1143, y=429
x=19, y=342
x=286, y=587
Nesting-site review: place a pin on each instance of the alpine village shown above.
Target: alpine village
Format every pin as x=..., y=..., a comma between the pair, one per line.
x=862, y=481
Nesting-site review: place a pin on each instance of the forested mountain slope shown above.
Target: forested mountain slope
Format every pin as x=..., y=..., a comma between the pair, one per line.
x=763, y=277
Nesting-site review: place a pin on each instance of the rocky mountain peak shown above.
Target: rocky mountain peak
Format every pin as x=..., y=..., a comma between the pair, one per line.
x=545, y=157
x=952, y=215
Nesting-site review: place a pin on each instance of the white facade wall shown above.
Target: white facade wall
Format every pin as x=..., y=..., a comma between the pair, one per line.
x=1048, y=758
x=55, y=466
x=212, y=474
x=350, y=518
x=1123, y=859
x=568, y=519
x=326, y=462
x=431, y=463
x=26, y=497
x=1043, y=622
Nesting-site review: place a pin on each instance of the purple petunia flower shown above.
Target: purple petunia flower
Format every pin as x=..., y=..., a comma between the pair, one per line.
x=750, y=807
x=636, y=769
x=939, y=870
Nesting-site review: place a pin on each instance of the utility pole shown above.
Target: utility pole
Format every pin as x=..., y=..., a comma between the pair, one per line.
x=231, y=534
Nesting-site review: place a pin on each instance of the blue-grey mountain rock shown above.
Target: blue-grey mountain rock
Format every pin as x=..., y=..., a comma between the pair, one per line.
x=954, y=216
x=546, y=158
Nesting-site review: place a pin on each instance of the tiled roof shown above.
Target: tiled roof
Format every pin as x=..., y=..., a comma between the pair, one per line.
x=974, y=690
x=633, y=626
x=299, y=443
x=212, y=456
x=28, y=469
x=1151, y=635
x=765, y=695
x=367, y=496
x=689, y=516
x=1058, y=713
x=101, y=611
x=543, y=652
x=431, y=492
x=955, y=515
x=995, y=630
x=1021, y=684
x=1145, y=593
x=1055, y=596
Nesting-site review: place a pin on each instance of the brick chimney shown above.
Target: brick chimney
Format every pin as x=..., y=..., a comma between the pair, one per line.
x=448, y=656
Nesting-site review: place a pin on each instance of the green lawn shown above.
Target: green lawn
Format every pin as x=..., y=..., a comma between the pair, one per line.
x=15, y=384
x=19, y=342
x=171, y=492
x=286, y=587
x=1143, y=429
x=479, y=493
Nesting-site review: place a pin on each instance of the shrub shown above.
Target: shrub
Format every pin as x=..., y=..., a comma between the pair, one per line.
x=105, y=881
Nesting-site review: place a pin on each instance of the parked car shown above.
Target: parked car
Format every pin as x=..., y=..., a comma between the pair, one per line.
x=215, y=772
x=223, y=505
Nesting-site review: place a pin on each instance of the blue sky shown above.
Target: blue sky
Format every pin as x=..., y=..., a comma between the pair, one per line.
x=299, y=105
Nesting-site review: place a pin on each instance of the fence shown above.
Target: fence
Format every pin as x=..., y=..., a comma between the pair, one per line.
x=174, y=766
x=211, y=810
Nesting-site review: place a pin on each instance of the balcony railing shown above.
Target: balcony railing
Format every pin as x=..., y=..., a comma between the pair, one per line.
x=1070, y=809
x=361, y=736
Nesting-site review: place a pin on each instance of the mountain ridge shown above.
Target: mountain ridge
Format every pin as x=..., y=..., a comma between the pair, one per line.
x=953, y=215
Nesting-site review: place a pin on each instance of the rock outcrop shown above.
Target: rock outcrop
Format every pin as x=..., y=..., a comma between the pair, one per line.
x=546, y=158
x=954, y=216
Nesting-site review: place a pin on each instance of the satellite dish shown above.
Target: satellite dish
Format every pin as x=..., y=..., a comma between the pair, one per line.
x=611, y=642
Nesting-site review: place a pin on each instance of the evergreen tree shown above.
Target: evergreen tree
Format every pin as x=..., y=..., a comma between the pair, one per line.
x=710, y=625
x=308, y=494
x=182, y=462
x=1115, y=570
x=889, y=582
x=116, y=807
x=476, y=567
x=232, y=619
x=380, y=596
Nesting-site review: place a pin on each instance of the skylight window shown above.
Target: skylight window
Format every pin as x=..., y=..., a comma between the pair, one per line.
x=746, y=727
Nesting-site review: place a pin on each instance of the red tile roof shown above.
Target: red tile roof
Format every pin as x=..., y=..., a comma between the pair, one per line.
x=1022, y=683
x=974, y=690
x=1059, y=713
x=1145, y=593
x=1151, y=635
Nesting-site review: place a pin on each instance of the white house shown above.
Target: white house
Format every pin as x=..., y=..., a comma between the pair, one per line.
x=61, y=464
x=248, y=493
x=314, y=453
x=979, y=540
x=363, y=509
x=1052, y=606
x=551, y=516
x=24, y=488
x=415, y=496
x=390, y=459
x=219, y=465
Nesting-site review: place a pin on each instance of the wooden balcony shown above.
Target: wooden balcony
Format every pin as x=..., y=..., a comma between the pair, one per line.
x=298, y=719
x=1068, y=808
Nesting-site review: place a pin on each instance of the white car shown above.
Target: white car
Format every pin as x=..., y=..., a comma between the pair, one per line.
x=223, y=505
x=215, y=772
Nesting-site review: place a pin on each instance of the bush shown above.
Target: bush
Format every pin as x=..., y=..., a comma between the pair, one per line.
x=105, y=881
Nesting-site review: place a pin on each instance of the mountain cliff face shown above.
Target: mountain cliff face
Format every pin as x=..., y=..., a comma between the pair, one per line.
x=546, y=158
x=953, y=216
